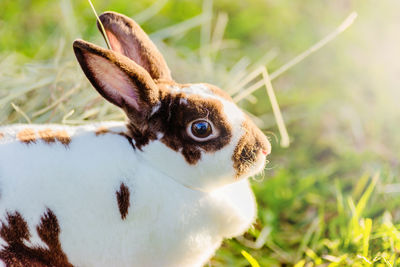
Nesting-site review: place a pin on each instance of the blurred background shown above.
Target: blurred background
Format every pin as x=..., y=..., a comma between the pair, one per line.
x=332, y=198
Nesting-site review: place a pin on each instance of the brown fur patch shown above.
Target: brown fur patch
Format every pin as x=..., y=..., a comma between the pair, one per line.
x=16, y=253
x=27, y=136
x=172, y=119
x=1, y=135
x=123, y=200
x=63, y=137
x=250, y=145
x=101, y=131
x=47, y=135
x=50, y=136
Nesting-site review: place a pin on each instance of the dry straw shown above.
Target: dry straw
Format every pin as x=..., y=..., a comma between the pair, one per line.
x=101, y=24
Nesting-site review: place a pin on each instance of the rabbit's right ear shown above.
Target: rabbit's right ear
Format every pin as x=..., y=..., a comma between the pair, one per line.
x=118, y=79
x=128, y=38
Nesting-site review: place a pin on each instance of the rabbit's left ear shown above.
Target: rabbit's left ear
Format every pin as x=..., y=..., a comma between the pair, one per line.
x=118, y=79
x=127, y=38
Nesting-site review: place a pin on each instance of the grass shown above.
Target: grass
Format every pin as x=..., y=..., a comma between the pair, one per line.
x=330, y=199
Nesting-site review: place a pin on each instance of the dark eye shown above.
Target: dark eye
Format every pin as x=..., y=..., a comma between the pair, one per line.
x=201, y=129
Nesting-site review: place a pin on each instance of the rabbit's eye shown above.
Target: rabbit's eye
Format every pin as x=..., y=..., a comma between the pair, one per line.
x=200, y=130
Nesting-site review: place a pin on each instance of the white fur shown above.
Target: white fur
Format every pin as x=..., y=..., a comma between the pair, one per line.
x=169, y=222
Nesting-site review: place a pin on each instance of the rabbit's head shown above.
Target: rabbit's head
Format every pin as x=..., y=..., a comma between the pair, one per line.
x=193, y=133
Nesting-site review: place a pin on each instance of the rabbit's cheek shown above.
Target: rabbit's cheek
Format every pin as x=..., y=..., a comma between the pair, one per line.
x=212, y=170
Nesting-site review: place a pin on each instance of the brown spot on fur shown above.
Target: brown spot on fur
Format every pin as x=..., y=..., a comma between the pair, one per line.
x=63, y=137
x=250, y=145
x=27, y=136
x=176, y=136
x=47, y=135
x=101, y=131
x=123, y=200
x=16, y=253
x=172, y=119
x=1, y=135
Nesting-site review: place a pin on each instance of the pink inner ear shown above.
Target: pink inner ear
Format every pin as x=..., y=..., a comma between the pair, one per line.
x=114, y=84
x=115, y=44
x=127, y=45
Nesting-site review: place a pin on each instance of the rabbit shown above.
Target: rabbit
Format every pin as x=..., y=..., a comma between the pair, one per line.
x=162, y=189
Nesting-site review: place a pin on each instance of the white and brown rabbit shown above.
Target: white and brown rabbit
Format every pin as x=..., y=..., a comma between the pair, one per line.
x=163, y=189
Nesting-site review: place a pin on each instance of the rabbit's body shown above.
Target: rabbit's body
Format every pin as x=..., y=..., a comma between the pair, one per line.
x=165, y=223
x=163, y=189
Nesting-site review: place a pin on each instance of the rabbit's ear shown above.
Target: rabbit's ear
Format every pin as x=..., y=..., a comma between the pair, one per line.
x=119, y=80
x=127, y=38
